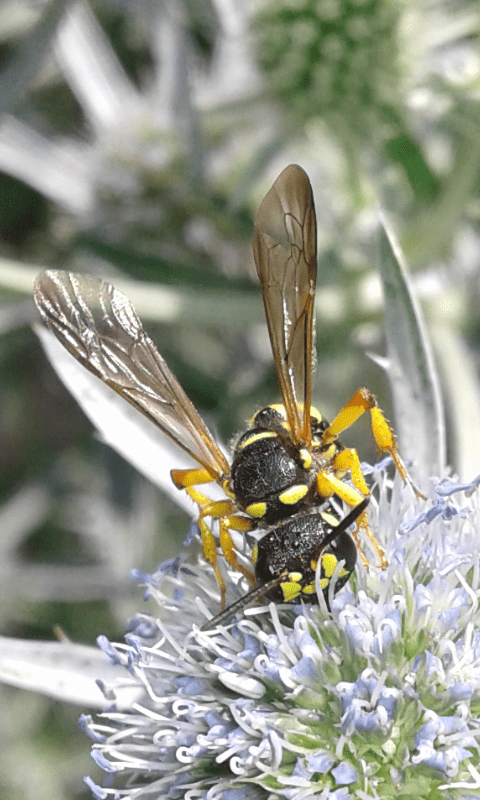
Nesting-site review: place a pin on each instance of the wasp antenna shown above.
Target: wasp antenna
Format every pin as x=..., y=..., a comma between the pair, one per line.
x=242, y=602
x=346, y=521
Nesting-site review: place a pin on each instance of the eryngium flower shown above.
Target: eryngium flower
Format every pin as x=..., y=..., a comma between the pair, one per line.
x=339, y=58
x=380, y=698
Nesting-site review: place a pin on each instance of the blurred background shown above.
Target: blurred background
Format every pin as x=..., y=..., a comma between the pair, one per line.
x=137, y=139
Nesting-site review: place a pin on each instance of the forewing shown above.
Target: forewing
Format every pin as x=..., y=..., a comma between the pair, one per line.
x=285, y=251
x=99, y=326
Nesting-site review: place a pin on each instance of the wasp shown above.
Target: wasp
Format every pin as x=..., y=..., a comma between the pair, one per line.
x=289, y=466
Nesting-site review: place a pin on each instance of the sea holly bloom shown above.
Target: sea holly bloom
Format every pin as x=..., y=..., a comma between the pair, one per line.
x=378, y=698
x=337, y=58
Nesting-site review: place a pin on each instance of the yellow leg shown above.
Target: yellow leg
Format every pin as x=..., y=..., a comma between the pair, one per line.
x=385, y=440
x=363, y=400
x=211, y=554
x=363, y=525
x=209, y=507
x=224, y=511
x=236, y=523
x=328, y=485
x=346, y=460
x=188, y=477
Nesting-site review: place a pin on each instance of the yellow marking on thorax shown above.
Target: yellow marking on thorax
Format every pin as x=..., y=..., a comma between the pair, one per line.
x=256, y=437
x=293, y=494
x=294, y=576
x=256, y=509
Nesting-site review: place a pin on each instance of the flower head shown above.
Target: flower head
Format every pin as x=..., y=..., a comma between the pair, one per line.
x=378, y=697
x=339, y=58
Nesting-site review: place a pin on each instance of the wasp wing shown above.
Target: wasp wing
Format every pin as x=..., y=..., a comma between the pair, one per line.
x=285, y=251
x=99, y=326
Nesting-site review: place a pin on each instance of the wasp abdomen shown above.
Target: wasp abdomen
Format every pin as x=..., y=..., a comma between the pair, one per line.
x=293, y=547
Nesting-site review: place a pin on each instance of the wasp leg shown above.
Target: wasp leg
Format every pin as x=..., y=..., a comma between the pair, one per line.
x=363, y=400
x=328, y=485
x=346, y=460
x=235, y=523
x=184, y=478
x=210, y=552
x=224, y=511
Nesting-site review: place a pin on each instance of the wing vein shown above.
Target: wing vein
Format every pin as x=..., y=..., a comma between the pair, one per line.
x=100, y=328
x=284, y=247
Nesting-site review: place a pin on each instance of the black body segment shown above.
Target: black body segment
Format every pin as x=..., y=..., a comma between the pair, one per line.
x=263, y=469
x=293, y=547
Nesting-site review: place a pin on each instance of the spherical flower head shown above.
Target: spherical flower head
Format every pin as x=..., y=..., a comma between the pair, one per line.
x=334, y=58
x=378, y=698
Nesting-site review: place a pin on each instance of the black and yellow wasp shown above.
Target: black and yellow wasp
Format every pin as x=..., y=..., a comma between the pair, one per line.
x=289, y=463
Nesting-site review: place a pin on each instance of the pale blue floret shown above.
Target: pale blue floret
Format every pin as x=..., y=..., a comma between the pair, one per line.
x=344, y=773
x=445, y=487
x=437, y=732
x=319, y=763
x=103, y=762
x=97, y=792
x=270, y=705
x=144, y=628
x=85, y=723
x=109, y=649
x=364, y=707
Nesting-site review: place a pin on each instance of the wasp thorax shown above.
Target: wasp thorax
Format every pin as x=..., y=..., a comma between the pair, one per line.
x=270, y=475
